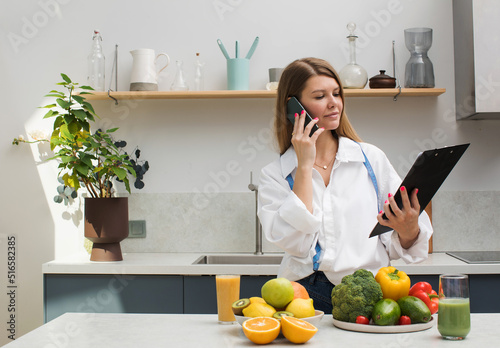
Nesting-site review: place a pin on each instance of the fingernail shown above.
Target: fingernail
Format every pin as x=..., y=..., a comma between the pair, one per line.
x=386, y=202
x=403, y=188
x=322, y=128
x=416, y=191
x=380, y=212
x=389, y=195
x=315, y=119
x=303, y=112
x=296, y=115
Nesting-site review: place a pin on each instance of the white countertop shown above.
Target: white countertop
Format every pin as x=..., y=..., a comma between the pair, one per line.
x=79, y=330
x=182, y=263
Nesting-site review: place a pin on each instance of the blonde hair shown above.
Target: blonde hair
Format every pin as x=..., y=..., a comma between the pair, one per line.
x=292, y=83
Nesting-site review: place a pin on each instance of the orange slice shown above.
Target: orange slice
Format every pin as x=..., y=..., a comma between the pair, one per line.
x=261, y=330
x=297, y=330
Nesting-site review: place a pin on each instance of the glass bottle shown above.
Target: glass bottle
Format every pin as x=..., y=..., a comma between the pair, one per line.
x=179, y=83
x=353, y=75
x=419, y=71
x=199, y=78
x=96, y=64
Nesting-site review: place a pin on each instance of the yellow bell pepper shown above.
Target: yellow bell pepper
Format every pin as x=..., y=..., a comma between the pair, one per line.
x=395, y=284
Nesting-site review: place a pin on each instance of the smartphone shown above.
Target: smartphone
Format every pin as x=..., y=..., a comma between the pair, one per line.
x=293, y=107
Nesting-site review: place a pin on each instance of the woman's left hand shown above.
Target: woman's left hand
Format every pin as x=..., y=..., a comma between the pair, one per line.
x=404, y=221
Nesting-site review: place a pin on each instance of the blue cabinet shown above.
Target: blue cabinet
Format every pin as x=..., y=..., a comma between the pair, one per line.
x=111, y=294
x=114, y=293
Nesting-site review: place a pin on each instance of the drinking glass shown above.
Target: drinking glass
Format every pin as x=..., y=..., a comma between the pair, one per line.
x=454, y=307
x=228, y=291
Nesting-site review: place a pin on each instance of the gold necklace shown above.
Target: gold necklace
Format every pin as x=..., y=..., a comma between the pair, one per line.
x=325, y=167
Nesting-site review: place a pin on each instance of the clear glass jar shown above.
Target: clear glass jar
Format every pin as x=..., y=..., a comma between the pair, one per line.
x=419, y=72
x=353, y=75
x=96, y=64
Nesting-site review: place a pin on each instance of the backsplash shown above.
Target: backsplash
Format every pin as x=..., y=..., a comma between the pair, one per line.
x=466, y=220
x=186, y=222
x=182, y=222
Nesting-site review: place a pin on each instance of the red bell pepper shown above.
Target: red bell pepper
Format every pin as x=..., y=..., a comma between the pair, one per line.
x=423, y=291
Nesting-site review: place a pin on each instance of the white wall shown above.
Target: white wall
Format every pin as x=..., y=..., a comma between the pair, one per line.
x=186, y=140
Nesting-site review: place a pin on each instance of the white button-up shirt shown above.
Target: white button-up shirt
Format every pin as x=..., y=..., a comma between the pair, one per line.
x=344, y=214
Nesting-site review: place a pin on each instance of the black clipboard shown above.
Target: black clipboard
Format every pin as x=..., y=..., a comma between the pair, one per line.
x=427, y=174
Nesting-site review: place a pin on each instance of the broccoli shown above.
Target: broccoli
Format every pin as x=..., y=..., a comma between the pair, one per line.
x=355, y=295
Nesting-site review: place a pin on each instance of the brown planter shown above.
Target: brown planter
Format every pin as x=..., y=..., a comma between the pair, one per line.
x=106, y=225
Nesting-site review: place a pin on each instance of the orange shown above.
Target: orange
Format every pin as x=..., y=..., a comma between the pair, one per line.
x=261, y=330
x=299, y=291
x=297, y=330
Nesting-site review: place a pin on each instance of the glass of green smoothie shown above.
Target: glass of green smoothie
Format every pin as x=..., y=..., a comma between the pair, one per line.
x=454, y=308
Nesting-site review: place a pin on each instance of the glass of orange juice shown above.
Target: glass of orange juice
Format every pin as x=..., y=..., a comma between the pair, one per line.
x=228, y=291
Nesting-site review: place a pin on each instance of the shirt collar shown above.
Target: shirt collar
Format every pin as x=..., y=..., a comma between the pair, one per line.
x=348, y=151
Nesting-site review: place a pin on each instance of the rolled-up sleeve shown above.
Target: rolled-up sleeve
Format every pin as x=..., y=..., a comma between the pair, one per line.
x=285, y=220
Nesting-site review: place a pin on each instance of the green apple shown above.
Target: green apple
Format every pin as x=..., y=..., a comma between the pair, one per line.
x=277, y=292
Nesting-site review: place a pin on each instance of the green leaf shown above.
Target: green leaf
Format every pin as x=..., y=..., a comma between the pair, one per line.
x=58, y=121
x=120, y=172
x=90, y=116
x=82, y=169
x=48, y=106
x=85, y=126
x=50, y=113
x=85, y=93
x=79, y=99
x=87, y=88
x=68, y=118
x=112, y=130
x=66, y=78
x=58, y=95
x=88, y=106
x=65, y=132
x=63, y=103
x=67, y=159
x=80, y=114
x=74, y=127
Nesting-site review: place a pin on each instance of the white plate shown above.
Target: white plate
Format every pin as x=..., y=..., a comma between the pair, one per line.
x=312, y=320
x=384, y=329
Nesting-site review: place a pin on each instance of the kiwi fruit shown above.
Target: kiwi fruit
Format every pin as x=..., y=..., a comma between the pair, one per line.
x=280, y=314
x=239, y=305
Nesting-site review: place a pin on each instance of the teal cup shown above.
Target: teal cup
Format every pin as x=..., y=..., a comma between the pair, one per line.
x=238, y=72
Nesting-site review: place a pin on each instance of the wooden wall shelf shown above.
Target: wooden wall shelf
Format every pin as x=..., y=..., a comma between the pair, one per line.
x=224, y=94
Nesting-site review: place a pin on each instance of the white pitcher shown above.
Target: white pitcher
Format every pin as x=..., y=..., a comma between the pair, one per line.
x=144, y=76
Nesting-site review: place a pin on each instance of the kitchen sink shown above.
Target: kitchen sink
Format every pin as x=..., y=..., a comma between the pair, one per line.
x=244, y=259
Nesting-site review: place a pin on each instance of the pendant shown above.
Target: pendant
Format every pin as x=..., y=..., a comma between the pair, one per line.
x=324, y=167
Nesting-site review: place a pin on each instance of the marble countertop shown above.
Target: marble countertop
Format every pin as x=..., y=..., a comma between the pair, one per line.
x=83, y=330
x=182, y=263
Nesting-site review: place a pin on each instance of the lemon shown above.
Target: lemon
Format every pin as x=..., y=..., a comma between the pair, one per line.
x=297, y=330
x=259, y=309
x=261, y=330
x=257, y=299
x=301, y=308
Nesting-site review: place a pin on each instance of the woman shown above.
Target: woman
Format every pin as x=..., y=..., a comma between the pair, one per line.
x=318, y=201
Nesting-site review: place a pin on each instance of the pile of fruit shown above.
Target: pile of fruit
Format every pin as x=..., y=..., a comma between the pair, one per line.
x=386, y=299
x=280, y=309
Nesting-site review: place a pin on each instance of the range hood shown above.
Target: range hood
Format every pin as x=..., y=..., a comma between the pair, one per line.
x=476, y=31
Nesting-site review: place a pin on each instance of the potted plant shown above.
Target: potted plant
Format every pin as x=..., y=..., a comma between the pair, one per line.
x=92, y=160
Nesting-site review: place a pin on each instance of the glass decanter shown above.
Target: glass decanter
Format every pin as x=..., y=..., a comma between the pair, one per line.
x=419, y=71
x=179, y=83
x=353, y=75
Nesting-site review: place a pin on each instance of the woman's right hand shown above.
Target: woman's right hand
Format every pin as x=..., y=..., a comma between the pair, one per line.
x=303, y=144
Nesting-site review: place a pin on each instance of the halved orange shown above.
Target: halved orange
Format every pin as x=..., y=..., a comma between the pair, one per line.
x=261, y=330
x=297, y=330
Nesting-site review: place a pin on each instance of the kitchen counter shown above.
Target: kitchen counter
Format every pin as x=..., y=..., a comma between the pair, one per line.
x=182, y=263
x=83, y=330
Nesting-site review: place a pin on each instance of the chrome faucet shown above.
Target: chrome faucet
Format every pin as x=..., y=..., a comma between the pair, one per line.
x=258, y=226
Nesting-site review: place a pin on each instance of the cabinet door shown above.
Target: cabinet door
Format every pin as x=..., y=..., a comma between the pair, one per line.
x=200, y=296
x=111, y=294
